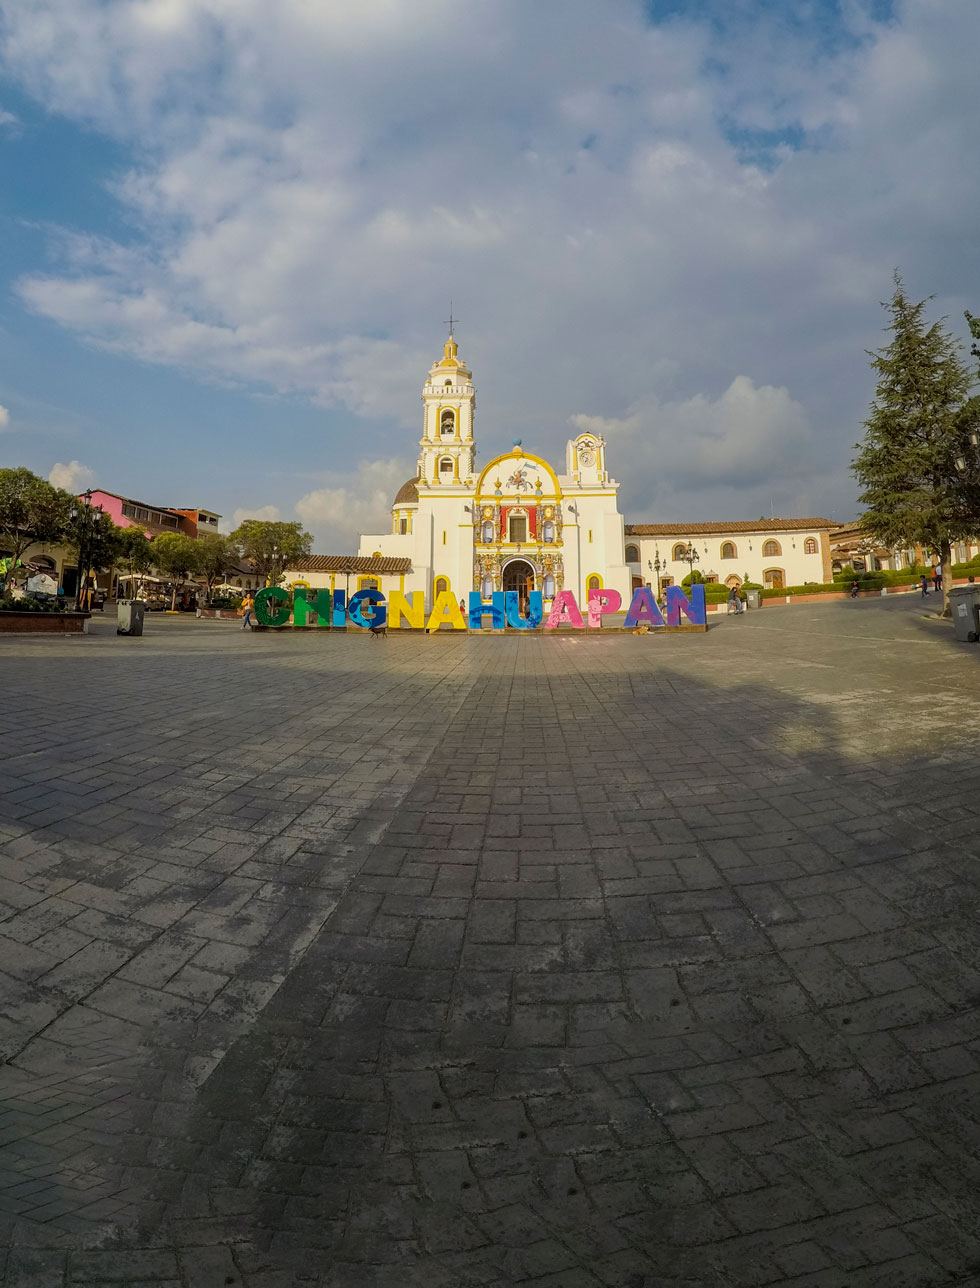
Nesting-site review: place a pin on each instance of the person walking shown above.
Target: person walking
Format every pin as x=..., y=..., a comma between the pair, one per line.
x=733, y=600
x=854, y=590
x=248, y=603
x=937, y=577
x=925, y=586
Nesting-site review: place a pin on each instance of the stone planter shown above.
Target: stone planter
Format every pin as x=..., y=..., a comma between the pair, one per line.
x=222, y=614
x=14, y=623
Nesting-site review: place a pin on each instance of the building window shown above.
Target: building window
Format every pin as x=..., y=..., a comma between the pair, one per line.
x=442, y=584
x=367, y=583
x=449, y=384
x=680, y=552
x=594, y=583
x=518, y=527
x=446, y=465
x=728, y=550
x=549, y=586
x=632, y=554
x=774, y=578
x=810, y=546
x=771, y=549
x=548, y=532
x=402, y=526
x=486, y=535
x=448, y=424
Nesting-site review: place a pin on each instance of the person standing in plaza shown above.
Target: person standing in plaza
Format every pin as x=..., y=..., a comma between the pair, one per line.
x=925, y=585
x=937, y=578
x=733, y=600
x=248, y=603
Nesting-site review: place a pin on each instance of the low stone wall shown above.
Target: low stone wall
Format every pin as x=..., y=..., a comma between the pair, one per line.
x=14, y=623
x=224, y=614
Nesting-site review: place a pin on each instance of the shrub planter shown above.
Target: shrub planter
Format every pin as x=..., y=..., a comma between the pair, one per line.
x=14, y=623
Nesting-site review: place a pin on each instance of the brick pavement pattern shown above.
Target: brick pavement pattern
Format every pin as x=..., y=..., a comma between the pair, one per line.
x=462, y=961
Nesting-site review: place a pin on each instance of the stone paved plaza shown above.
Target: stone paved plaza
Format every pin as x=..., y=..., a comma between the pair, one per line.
x=451, y=961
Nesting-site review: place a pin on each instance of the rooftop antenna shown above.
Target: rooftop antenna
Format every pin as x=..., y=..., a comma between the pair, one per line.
x=450, y=320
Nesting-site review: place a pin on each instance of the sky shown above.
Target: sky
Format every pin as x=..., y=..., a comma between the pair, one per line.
x=230, y=232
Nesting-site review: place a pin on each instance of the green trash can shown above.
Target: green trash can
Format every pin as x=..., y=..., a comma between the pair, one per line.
x=964, y=604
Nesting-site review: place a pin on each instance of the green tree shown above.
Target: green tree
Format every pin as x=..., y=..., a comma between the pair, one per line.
x=271, y=547
x=920, y=418
x=94, y=538
x=31, y=510
x=215, y=554
x=176, y=556
x=135, y=557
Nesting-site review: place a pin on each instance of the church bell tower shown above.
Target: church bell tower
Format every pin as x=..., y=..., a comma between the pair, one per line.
x=448, y=401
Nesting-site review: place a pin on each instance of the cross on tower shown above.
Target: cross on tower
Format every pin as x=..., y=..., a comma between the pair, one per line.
x=450, y=320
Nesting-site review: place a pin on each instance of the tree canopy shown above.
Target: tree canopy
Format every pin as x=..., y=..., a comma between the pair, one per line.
x=214, y=553
x=176, y=556
x=920, y=418
x=31, y=510
x=271, y=547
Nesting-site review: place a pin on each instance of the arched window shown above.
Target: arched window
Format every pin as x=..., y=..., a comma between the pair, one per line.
x=518, y=527
x=448, y=424
x=774, y=578
x=486, y=590
x=487, y=533
x=594, y=583
x=367, y=583
x=680, y=551
x=810, y=546
x=449, y=384
x=442, y=584
x=771, y=549
x=446, y=465
x=728, y=550
x=548, y=531
x=549, y=586
x=402, y=526
x=632, y=554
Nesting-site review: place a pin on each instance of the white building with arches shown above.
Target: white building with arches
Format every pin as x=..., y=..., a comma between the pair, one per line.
x=515, y=524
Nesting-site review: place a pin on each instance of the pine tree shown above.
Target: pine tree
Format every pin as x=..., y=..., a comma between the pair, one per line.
x=920, y=418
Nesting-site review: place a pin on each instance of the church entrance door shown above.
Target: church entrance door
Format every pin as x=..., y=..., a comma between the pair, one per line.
x=519, y=576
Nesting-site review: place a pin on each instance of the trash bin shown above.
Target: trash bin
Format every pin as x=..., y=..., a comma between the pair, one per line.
x=129, y=616
x=964, y=604
x=753, y=599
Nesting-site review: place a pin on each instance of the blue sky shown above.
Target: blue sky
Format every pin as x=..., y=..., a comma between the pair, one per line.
x=230, y=234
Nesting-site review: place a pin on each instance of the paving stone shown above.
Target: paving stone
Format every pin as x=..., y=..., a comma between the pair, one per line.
x=478, y=973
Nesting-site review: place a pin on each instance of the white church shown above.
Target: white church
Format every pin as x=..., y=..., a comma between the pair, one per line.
x=515, y=525
x=518, y=525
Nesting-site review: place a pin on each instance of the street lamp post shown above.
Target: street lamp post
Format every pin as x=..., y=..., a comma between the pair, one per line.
x=691, y=556
x=87, y=519
x=655, y=567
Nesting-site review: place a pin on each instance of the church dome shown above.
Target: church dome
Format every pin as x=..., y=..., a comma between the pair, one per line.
x=408, y=493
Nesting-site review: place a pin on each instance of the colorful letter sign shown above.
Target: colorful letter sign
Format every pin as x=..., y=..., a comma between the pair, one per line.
x=369, y=608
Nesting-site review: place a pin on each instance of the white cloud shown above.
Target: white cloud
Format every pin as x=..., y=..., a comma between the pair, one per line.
x=74, y=476
x=8, y=118
x=265, y=513
x=622, y=222
x=354, y=503
x=4, y=418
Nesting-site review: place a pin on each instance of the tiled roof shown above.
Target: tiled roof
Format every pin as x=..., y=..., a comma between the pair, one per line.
x=351, y=563
x=408, y=493
x=735, y=525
